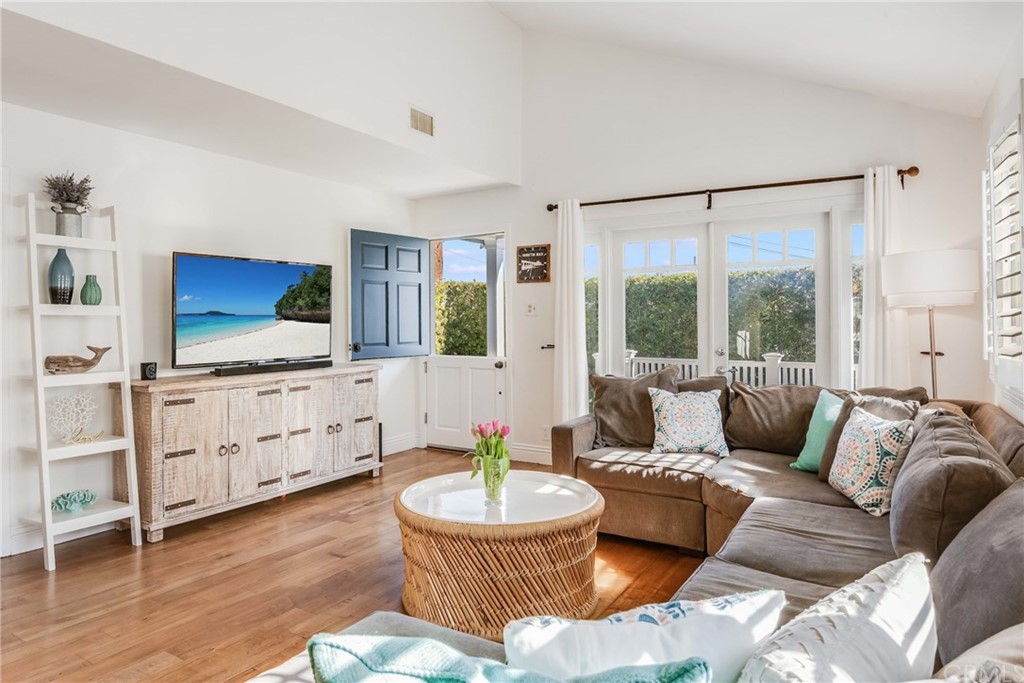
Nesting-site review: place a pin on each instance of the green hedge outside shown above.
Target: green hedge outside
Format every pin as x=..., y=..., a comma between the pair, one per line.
x=460, y=322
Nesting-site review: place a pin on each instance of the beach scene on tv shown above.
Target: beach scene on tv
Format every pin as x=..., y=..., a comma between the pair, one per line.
x=237, y=310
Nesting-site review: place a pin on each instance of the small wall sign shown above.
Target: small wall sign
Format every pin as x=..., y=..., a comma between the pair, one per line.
x=533, y=263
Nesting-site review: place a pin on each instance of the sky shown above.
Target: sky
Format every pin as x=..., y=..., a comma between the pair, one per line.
x=464, y=261
x=232, y=285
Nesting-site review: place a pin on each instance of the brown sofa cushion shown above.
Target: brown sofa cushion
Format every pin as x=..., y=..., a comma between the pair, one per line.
x=622, y=406
x=715, y=578
x=676, y=475
x=951, y=473
x=823, y=544
x=772, y=419
x=943, y=407
x=708, y=384
x=1001, y=430
x=734, y=482
x=978, y=583
x=919, y=394
x=881, y=406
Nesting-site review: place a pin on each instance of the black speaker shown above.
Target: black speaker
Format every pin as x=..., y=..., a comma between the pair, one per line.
x=147, y=370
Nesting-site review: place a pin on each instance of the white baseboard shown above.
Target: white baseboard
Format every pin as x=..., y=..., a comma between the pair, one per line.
x=27, y=539
x=525, y=452
x=401, y=442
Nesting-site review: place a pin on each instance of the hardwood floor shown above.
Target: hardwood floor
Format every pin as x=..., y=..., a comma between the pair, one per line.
x=233, y=595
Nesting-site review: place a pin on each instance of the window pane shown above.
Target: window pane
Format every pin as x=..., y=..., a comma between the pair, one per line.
x=590, y=258
x=769, y=246
x=857, y=245
x=661, y=315
x=460, y=298
x=661, y=254
x=686, y=252
x=800, y=244
x=772, y=310
x=633, y=255
x=740, y=249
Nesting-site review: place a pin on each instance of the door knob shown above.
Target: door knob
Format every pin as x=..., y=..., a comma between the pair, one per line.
x=499, y=364
x=235, y=449
x=356, y=347
x=720, y=351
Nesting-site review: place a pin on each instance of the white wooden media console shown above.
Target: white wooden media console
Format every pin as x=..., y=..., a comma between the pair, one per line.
x=207, y=444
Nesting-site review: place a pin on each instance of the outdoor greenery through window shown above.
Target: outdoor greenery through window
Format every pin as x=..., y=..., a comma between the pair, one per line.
x=661, y=298
x=460, y=297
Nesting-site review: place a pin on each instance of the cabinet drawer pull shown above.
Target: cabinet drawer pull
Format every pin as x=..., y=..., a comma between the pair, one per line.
x=368, y=418
x=330, y=429
x=178, y=454
x=302, y=388
x=303, y=473
x=269, y=482
x=268, y=392
x=337, y=428
x=179, y=402
x=364, y=457
x=175, y=506
x=368, y=380
x=223, y=450
x=268, y=437
x=296, y=432
x=235, y=449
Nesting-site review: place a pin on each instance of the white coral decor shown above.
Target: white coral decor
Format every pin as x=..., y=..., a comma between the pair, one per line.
x=70, y=415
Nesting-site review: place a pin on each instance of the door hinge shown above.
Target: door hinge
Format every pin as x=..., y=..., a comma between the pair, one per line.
x=424, y=418
x=424, y=367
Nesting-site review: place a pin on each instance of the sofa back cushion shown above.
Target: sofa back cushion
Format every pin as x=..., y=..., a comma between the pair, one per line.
x=1000, y=429
x=919, y=394
x=880, y=406
x=978, y=582
x=771, y=419
x=950, y=475
x=708, y=384
x=622, y=406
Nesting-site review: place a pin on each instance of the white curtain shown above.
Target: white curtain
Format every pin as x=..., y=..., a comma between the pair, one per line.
x=884, y=349
x=570, y=322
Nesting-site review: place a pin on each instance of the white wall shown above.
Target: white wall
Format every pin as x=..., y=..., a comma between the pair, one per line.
x=602, y=122
x=360, y=65
x=1005, y=90
x=169, y=197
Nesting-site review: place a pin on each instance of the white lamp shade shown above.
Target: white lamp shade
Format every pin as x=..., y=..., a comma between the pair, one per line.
x=930, y=278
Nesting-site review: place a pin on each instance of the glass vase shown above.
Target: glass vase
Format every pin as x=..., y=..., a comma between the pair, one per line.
x=495, y=470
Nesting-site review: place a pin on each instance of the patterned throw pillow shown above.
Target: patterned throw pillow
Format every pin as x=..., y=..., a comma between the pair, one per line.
x=688, y=422
x=868, y=452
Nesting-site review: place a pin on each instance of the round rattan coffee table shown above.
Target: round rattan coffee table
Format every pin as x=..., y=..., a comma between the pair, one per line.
x=474, y=567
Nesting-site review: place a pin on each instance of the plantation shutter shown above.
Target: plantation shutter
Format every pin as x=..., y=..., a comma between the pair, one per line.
x=389, y=289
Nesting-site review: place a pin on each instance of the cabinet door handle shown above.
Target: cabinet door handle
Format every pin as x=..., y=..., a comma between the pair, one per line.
x=235, y=449
x=330, y=429
x=223, y=450
x=337, y=427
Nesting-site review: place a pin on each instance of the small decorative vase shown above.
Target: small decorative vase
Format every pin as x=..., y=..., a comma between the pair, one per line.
x=69, y=219
x=495, y=470
x=91, y=294
x=62, y=278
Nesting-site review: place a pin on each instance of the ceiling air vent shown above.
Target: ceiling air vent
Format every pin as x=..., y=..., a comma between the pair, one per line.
x=421, y=121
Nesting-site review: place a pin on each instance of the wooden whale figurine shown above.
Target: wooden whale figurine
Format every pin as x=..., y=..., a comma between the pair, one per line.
x=65, y=365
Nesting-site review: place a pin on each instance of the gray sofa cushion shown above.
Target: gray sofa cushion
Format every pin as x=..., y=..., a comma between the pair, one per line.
x=951, y=473
x=676, y=475
x=772, y=419
x=734, y=482
x=978, y=582
x=716, y=577
x=822, y=544
x=298, y=670
x=622, y=406
x=882, y=406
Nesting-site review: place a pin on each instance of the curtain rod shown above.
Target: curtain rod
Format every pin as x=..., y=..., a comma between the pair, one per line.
x=912, y=171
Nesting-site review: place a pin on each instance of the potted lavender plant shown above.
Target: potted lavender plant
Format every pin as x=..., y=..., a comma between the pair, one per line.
x=72, y=199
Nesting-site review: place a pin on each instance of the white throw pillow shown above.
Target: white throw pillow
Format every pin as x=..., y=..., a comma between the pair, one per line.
x=688, y=422
x=724, y=631
x=879, y=628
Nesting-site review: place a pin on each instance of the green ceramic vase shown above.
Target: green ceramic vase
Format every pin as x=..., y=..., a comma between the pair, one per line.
x=91, y=294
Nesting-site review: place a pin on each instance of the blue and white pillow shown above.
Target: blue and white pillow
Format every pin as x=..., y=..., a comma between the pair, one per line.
x=866, y=457
x=724, y=631
x=688, y=422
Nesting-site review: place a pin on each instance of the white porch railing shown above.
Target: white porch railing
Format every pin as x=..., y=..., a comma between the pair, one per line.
x=770, y=371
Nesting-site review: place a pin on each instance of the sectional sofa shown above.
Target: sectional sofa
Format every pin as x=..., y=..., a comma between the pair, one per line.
x=958, y=498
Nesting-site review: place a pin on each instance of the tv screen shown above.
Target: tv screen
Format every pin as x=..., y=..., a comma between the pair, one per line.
x=230, y=310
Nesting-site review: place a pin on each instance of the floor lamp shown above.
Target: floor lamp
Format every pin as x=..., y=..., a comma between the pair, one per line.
x=930, y=279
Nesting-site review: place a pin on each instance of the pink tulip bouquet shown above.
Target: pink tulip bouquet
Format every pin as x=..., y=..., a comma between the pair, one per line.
x=491, y=456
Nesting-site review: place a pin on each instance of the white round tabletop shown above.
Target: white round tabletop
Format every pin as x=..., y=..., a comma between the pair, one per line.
x=526, y=497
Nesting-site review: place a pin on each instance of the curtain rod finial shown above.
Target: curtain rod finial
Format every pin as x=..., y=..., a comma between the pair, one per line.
x=552, y=207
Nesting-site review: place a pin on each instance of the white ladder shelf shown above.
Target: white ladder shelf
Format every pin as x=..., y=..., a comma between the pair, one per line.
x=103, y=511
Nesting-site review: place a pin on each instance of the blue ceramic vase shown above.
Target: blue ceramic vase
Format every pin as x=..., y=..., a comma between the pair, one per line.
x=62, y=278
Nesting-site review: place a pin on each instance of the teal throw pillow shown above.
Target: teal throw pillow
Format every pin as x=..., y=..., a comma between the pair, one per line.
x=344, y=658
x=826, y=410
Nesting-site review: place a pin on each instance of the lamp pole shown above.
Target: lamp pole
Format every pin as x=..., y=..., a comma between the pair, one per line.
x=931, y=345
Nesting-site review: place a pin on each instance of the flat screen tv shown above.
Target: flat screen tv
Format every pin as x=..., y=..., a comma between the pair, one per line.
x=242, y=311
